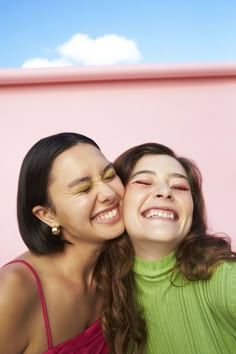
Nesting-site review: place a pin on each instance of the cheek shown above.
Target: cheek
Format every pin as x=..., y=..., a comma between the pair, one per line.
x=125, y=205
x=191, y=206
x=131, y=202
x=188, y=206
x=137, y=195
x=127, y=198
x=121, y=190
x=118, y=188
x=78, y=205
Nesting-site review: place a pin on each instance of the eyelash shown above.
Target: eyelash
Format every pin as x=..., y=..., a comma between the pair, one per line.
x=182, y=188
x=113, y=175
x=85, y=190
x=105, y=178
x=143, y=182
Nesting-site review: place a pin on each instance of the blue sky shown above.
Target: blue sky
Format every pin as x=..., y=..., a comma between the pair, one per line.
x=88, y=32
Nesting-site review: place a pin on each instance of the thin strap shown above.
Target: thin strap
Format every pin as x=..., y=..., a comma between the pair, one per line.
x=44, y=308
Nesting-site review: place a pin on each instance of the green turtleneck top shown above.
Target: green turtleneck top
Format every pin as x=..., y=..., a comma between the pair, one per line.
x=193, y=317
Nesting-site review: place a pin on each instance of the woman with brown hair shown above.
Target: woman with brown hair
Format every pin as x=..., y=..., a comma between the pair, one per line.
x=184, y=277
x=66, y=291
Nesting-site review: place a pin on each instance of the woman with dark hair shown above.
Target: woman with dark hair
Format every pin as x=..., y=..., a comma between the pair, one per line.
x=63, y=294
x=184, y=277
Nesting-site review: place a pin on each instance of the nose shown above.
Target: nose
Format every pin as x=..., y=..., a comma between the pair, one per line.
x=106, y=193
x=163, y=191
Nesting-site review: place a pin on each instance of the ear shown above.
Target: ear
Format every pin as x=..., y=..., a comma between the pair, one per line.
x=45, y=214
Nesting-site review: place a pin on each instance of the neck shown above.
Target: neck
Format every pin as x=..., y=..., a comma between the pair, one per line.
x=78, y=262
x=152, y=250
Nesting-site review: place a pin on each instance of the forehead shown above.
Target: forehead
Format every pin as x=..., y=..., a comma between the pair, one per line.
x=80, y=160
x=159, y=164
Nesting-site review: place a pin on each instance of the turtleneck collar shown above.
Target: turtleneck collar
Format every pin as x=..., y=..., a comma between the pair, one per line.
x=155, y=268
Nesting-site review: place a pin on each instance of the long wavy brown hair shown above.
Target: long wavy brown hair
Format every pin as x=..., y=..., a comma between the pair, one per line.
x=200, y=252
x=122, y=322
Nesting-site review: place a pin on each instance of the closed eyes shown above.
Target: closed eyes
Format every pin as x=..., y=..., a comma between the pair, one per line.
x=110, y=174
x=175, y=187
x=182, y=188
x=84, y=189
x=146, y=183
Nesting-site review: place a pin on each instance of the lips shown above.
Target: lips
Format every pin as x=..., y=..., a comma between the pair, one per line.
x=107, y=214
x=160, y=212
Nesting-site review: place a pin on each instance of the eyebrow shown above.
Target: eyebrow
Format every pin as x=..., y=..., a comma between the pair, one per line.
x=150, y=172
x=77, y=181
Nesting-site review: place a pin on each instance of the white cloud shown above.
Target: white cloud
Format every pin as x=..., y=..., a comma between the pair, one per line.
x=44, y=63
x=80, y=49
x=109, y=49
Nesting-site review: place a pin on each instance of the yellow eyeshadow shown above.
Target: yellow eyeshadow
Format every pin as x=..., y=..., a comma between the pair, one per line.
x=83, y=187
x=109, y=173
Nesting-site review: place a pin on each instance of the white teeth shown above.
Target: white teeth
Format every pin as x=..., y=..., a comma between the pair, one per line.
x=160, y=214
x=110, y=214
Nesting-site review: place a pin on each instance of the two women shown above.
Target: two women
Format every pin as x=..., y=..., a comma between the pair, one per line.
x=77, y=276
x=185, y=278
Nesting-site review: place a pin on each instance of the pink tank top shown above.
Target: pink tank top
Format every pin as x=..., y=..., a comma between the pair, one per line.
x=91, y=341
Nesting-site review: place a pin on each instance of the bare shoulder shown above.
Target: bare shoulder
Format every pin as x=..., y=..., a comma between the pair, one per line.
x=18, y=300
x=16, y=278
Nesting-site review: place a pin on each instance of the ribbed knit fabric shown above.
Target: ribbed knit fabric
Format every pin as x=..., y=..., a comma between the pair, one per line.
x=194, y=317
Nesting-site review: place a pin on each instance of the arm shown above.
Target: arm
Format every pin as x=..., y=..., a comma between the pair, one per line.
x=232, y=293
x=16, y=307
x=223, y=293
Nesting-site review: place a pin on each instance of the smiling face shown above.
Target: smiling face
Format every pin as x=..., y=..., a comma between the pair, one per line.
x=86, y=195
x=157, y=206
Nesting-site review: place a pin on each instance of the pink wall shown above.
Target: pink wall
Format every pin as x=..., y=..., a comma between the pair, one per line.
x=191, y=108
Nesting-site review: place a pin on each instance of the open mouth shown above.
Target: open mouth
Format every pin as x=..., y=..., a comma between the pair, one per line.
x=106, y=215
x=160, y=213
x=110, y=214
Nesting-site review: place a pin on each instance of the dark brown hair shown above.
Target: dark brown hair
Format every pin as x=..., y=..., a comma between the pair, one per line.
x=200, y=252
